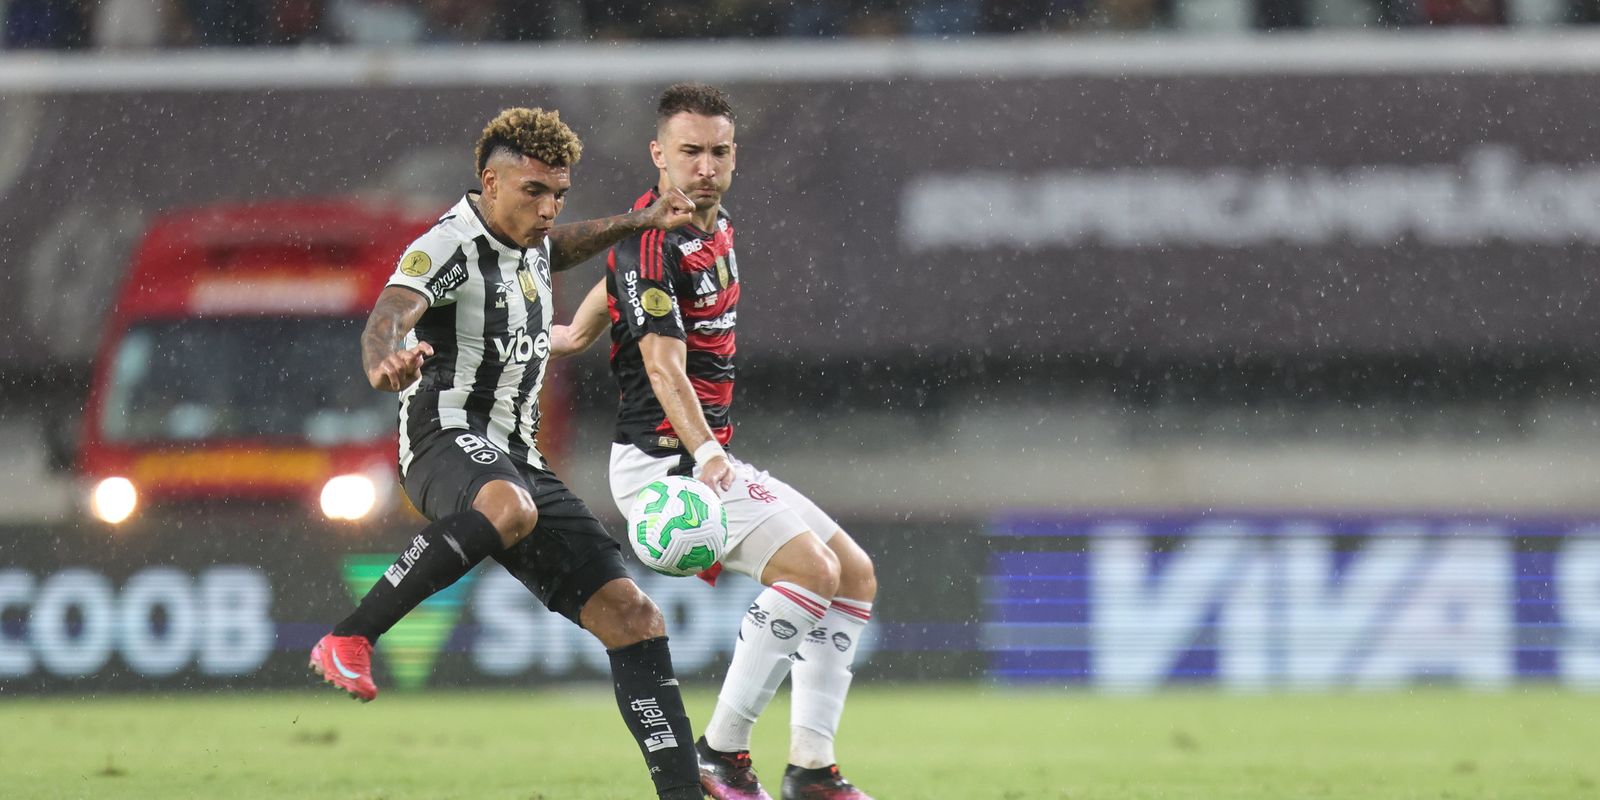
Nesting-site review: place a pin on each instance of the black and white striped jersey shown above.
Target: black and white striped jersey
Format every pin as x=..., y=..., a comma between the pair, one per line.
x=488, y=321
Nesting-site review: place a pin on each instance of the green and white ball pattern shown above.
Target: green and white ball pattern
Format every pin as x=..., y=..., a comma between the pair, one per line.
x=677, y=526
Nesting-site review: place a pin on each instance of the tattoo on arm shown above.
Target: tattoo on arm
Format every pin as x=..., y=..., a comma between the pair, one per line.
x=575, y=243
x=392, y=317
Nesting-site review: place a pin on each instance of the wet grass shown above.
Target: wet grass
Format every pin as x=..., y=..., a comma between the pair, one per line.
x=898, y=743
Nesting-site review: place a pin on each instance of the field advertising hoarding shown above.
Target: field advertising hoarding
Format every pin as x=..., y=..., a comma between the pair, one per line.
x=1298, y=602
x=1179, y=215
x=1105, y=602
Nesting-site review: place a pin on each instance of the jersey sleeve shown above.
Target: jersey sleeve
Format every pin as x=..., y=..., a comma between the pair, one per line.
x=646, y=274
x=434, y=267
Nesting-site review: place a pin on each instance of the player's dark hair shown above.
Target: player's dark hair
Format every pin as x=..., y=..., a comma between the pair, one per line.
x=694, y=98
x=532, y=132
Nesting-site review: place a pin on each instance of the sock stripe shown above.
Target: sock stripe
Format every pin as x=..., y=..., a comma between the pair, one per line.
x=808, y=602
x=849, y=609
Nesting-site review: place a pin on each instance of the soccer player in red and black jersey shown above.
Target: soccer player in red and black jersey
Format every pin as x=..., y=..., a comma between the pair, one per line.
x=670, y=301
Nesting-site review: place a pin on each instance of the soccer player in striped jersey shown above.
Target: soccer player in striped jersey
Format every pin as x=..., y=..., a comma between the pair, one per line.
x=462, y=333
x=670, y=302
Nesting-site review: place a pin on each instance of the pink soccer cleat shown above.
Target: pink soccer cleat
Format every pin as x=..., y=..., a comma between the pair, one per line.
x=346, y=662
x=824, y=783
x=728, y=776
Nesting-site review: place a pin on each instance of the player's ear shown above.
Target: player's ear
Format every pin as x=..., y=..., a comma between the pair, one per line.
x=488, y=180
x=657, y=155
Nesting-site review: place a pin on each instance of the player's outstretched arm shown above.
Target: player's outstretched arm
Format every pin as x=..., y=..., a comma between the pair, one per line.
x=588, y=322
x=577, y=242
x=389, y=366
x=665, y=360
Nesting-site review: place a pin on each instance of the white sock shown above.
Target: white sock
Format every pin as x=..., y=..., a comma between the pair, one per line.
x=774, y=626
x=821, y=680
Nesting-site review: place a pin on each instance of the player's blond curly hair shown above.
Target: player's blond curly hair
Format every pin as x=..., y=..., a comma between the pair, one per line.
x=532, y=132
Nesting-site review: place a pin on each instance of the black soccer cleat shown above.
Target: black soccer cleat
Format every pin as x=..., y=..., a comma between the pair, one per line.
x=822, y=783
x=728, y=776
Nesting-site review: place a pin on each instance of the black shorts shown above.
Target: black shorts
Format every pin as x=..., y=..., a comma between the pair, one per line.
x=567, y=557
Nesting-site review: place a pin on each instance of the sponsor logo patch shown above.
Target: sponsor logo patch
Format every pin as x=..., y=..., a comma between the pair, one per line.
x=408, y=559
x=655, y=723
x=517, y=347
x=726, y=322
x=475, y=446
x=784, y=629
x=667, y=441
x=631, y=280
x=841, y=642
x=416, y=263
x=656, y=302
x=449, y=279
x=757, y=615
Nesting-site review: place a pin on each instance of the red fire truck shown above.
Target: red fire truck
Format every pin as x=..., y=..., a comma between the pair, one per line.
x=230, y=366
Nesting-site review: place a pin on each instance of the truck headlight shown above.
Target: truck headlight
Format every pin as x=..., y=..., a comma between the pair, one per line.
x=113, y=500
x=349, y=497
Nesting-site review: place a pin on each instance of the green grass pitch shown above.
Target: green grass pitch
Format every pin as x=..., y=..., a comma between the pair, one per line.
x=938, y=743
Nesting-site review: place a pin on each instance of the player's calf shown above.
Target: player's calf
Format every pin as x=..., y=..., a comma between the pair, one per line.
x=622, y=617
x=435, y=558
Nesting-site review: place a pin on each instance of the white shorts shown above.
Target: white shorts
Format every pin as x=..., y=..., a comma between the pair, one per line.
x=764, y=513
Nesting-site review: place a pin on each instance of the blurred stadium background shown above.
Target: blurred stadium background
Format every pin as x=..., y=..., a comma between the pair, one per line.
x=1143, y=347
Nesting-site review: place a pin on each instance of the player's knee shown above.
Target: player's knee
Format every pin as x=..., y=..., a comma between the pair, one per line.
x=512, y=513
x=813, y=568
x=641, y=619
x=522, y=520
x=624, y=617
x=858, y=579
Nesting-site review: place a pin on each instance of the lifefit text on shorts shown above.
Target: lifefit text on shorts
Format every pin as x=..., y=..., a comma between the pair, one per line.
x=651, y=716
x=398, y=571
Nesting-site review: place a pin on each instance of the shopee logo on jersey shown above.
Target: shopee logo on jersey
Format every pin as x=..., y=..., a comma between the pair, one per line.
x=631, y=281
x=517, y=347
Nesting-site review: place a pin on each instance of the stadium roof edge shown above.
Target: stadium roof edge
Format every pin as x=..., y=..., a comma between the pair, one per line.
x=790, y=60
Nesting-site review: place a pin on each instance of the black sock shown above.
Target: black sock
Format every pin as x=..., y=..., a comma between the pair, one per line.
x=647, y=694
x=436, y=558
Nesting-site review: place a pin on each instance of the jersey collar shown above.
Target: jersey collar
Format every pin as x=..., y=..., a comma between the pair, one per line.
x=470, y=200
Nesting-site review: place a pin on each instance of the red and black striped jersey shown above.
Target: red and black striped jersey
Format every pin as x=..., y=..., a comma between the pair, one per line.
x=682, y=283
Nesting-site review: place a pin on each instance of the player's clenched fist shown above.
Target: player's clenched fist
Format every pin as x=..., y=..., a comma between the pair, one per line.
x=718, y=474
x=671, y=210
x=400, y=368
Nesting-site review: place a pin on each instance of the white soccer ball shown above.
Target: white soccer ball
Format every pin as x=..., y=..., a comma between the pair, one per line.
x=677, y=526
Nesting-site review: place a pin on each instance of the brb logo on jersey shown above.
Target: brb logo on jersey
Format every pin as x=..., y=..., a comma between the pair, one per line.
x=517, y=347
